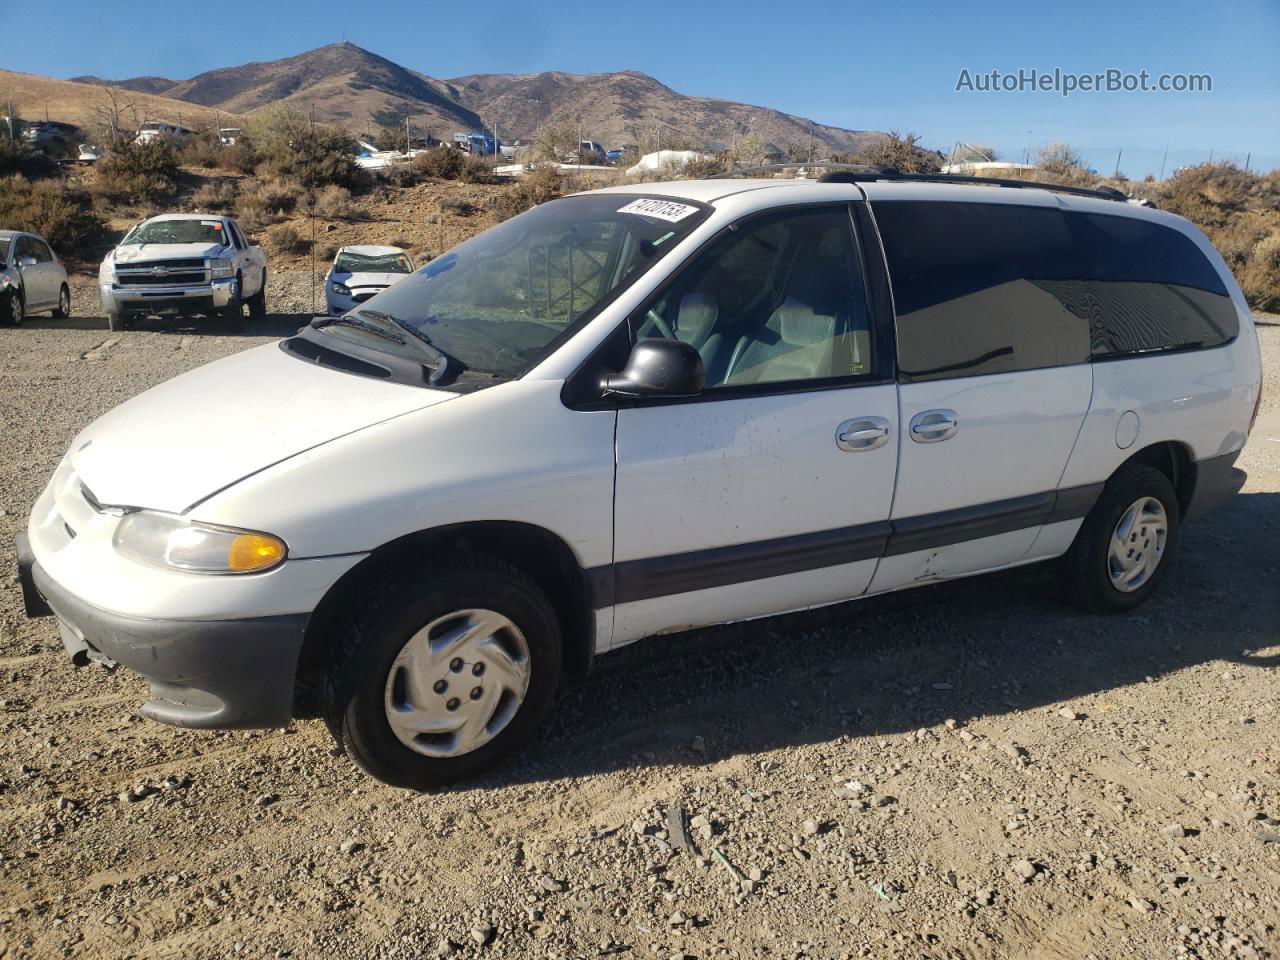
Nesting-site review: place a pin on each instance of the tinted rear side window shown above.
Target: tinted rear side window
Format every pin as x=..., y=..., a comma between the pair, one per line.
x=1149, y=288
x=983, y=288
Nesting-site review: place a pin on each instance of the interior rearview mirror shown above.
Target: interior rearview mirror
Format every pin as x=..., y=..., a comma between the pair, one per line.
x=658, y=368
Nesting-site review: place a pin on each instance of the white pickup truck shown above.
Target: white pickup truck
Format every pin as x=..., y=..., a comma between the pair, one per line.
x=180, y=265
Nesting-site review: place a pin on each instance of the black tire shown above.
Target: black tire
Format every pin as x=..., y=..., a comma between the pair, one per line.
x=233, y=313
x=258, y=302
x=373, y=634
x=1087, y=567
x=117, y=320
x=14, y=311
x=63, y=310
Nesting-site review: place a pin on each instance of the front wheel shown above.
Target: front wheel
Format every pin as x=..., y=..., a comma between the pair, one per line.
x=258, y=302
x=1126, y=542
x=443, y=672
x=13, y=309
x=63, y=309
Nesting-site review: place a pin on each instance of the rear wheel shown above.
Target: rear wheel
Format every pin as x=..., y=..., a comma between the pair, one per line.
x=443, y=671
x=1126, y=542
x=63, y=309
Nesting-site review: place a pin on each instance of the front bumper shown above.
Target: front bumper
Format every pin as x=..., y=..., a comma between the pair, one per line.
x=235, y=673
x=162, y=299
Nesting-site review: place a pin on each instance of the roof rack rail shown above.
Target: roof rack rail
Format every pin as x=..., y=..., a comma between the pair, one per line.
x=868, y=172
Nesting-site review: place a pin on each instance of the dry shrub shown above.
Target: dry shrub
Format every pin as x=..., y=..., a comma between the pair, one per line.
x=902, y=151
x=441, y=163
x=704, y=166
x=217, y=195
x=202, y=150
x=285, y=238
x=333, y=201
x=535, y=187
x=446, y=163
x=267, y=201
x=458, y=205
x=144, y=173
x=63, y=217
x=17, y=157
x=1260, y=276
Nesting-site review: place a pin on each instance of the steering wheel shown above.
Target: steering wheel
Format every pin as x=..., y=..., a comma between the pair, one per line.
x=661, y=325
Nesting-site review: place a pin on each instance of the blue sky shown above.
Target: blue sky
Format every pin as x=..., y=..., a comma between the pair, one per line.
x=860, y=65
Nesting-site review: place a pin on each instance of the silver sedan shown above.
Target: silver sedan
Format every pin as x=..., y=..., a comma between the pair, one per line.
x=32, y=278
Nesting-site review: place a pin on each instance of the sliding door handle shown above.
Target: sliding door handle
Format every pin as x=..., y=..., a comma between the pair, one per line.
x=934, y=425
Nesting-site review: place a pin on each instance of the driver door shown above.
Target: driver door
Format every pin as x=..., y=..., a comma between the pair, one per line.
x=771, y=491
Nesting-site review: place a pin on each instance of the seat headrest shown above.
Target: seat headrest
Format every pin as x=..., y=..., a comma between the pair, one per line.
x=696, y=316
x=799, y=326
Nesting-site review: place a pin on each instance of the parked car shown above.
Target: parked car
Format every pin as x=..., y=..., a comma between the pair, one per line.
x=32, y=278
x=588, y=151
x=613, y=157
x=88, y=153
x=161, y=130
x=50, y=135
x=229, y=136
x=639, y=410
x=477, y=143
x=183, y=264
x=359, y=273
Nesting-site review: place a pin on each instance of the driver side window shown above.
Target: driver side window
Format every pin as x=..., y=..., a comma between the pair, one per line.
x=777, y=299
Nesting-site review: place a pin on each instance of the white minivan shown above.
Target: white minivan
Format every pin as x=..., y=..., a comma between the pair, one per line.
x=640, y=410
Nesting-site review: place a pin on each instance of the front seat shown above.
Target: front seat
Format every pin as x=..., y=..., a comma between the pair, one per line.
x=795, y=343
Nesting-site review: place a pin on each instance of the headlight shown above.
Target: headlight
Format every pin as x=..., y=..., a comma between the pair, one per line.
x=167, y=541
x=222, y=268
x=340, y=288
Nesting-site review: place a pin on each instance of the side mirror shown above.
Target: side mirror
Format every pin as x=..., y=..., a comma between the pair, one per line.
x=658, y=368
x=26, y=261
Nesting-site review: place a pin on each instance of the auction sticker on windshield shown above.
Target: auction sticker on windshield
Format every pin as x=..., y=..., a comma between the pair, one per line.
x=661, y=209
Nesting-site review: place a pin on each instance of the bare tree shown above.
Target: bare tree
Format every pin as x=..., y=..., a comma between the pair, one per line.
x=556, y=141
x=116, y=114
x=1060, y=159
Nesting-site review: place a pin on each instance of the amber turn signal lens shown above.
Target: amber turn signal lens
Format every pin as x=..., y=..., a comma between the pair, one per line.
x=253, y=551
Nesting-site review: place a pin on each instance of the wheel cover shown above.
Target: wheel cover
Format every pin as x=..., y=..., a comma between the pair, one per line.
x=15, y=309
x=457, y=683
x=1137, y=544
x=64, y=302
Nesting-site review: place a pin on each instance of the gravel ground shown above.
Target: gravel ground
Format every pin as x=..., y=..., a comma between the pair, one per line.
x=969, y=770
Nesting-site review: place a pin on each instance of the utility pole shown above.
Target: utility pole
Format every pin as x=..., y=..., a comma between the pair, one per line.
x=1247, y=157
x=1119, y=154
x=1163, y=159
x=407, y=138
x=1211, y=154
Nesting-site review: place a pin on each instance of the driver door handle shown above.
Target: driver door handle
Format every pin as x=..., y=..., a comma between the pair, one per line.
x=863, y=433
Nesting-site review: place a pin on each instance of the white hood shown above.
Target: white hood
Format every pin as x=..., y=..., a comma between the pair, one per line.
x=180, y=442
x=357, y=281
x=166, y=251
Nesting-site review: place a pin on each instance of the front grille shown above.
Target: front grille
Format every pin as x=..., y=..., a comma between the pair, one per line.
x=172, y=273
x=362, y=297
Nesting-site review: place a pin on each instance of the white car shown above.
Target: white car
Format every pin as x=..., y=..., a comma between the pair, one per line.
x=183, y=264
x=359, y=273
x=640, y=410
x=32, y=278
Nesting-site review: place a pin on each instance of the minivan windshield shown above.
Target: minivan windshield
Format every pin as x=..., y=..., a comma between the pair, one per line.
x=500, y=302
x=176, y=231
x=348, y=262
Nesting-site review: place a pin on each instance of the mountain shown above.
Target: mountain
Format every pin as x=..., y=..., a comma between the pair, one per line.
x=344, y=84
x=627, y=107
x=349, y=86
x=35, y=98
x=157, y=85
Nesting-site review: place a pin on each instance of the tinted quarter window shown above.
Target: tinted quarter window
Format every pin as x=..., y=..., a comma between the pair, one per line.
x=1149, y=288
x=982, y=288
x=777, y=299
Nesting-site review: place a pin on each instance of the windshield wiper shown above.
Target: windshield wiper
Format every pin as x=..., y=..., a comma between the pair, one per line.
x=350, y=321
x=441, y=361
